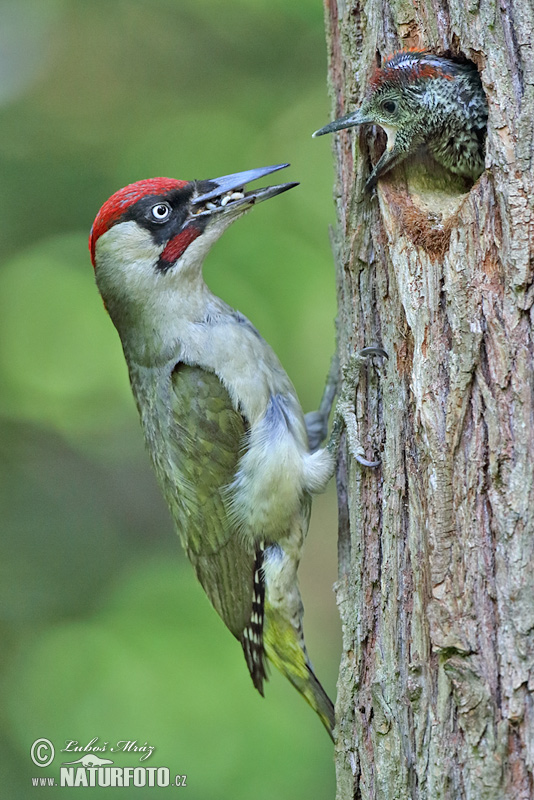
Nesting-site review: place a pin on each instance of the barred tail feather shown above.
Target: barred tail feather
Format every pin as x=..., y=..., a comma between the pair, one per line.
x=252, y=637
x=270, y=634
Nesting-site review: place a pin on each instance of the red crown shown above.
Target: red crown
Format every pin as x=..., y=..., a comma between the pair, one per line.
x=119, y=202
x=406, y=66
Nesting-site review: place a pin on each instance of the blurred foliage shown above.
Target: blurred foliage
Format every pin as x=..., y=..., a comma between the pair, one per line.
x=105, y=630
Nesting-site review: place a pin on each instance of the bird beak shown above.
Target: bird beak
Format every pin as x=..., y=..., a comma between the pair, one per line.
x=350, y=121
x=228, y=193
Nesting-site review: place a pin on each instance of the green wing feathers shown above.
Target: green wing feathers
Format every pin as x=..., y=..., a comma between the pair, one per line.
x=208, y=436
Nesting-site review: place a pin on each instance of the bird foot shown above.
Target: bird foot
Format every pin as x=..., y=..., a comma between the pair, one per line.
x=344, y=415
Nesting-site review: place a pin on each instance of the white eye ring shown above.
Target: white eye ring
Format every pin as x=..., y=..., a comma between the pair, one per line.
x=161, y=212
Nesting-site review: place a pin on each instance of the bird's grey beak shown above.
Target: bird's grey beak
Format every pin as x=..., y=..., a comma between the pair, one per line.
x=228, y=192
x=350, y=121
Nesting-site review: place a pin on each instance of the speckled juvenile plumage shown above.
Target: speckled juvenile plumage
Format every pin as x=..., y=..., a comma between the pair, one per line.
x=421, y=99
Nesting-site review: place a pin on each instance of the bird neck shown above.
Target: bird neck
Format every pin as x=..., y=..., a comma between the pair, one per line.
x=154, y=327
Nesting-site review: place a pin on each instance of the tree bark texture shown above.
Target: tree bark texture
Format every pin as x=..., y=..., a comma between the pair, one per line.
x=436, y=582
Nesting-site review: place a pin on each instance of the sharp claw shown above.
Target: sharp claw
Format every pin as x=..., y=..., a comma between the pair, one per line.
x=373, y=351
x=365, y=463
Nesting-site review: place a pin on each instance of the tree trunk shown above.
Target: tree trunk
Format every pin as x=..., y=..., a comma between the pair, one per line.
x=436, y=581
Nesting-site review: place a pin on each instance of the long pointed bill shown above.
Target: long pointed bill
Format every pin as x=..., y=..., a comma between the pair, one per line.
x=228, y=192
x=350, y=121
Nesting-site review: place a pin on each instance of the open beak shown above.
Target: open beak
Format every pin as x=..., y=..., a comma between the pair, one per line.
x=350, y=121
x=224, y=194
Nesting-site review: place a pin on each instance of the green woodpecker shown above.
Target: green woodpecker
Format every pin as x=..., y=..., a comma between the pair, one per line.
x=221, y=419
x=422, y=100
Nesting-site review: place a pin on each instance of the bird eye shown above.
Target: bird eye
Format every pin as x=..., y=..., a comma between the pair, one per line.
x=161, y=212
x=390, y=106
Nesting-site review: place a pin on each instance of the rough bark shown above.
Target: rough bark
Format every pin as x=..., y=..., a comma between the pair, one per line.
x=436, y=583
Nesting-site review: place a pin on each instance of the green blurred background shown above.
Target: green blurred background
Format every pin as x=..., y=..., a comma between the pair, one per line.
x=105, y=630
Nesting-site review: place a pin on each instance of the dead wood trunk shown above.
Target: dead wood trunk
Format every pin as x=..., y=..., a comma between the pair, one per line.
x=436, y=581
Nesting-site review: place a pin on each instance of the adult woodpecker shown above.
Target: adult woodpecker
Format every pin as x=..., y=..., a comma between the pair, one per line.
x=221, y=419
x=420, y=99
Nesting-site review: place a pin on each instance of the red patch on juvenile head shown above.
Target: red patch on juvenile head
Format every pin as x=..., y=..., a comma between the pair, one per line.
x=406, y=66
x=119, y=202
x=177, y=245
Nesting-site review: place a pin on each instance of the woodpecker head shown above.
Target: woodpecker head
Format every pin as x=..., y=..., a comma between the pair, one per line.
x=397, y=96
x=150, y=238
x=417, y=97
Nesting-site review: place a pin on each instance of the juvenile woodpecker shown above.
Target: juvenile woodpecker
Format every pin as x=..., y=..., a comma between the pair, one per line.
x=420, y=99
x=221, y=419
